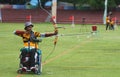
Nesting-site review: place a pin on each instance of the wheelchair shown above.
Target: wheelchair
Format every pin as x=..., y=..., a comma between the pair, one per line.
x=26, y=62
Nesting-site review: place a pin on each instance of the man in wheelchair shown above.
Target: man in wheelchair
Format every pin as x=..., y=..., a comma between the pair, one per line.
x=30, y=41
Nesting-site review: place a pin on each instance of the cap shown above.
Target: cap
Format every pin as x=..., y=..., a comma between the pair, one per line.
x=28, y=24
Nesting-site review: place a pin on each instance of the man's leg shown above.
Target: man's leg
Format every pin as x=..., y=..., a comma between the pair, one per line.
x=23, y=60
x=23, y=57
x=107, y=25
x=32, y=57
x=32, y=60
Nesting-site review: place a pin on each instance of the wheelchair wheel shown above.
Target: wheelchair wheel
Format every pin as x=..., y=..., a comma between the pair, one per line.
x=19, y=71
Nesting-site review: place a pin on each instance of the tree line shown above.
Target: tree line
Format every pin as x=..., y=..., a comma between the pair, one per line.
x=94, y=4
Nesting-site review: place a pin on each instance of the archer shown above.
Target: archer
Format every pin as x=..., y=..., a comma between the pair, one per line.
x=30, y=42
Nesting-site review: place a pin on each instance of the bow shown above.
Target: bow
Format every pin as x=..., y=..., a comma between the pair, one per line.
x=53, y=20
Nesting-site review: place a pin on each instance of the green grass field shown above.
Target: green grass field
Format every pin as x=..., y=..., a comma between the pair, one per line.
x=84, y=55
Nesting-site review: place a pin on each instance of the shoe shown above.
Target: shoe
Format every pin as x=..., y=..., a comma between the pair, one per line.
x=33, y=69
x=24, y=69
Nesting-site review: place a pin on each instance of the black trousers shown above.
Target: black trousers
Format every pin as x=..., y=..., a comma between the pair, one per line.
x=28, y=58
x=107, y=26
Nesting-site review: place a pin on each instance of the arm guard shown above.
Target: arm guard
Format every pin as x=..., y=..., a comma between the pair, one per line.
x=19, y=32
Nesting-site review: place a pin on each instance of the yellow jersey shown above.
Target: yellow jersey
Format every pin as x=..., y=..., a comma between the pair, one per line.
x=26, y=38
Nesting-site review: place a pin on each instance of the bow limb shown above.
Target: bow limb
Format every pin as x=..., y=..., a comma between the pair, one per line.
x=53, y=16
x=56, y=37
